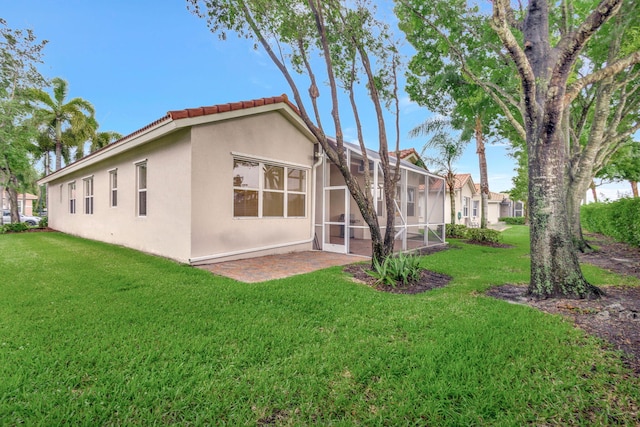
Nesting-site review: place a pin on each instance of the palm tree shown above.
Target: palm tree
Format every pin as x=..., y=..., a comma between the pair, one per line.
x=102, y=139
x=57, y=116
x=448, y=151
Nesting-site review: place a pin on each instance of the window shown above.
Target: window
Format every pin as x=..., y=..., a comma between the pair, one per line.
x=88, y=195
x=113, y=187
x=261, y=190
x=72, y=197
x=465, y=207
x=246, y=187
x=141, y=188
x=296, y=192
x=476, y=208
x=411, y=201
x=519, y=210
x=273, y=196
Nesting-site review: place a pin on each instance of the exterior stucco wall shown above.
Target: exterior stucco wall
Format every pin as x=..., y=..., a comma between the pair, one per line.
x=165, y=231
x=494, y=212
x=465, y=191
x=216, y=234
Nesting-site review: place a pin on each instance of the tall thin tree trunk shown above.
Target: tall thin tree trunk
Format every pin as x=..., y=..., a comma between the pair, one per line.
x=594, y=193
x=634, y=188
x=13, y=199
x=484, y=180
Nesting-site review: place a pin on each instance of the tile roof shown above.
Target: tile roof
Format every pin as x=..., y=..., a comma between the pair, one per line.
x=461, y=179
x=213, y=109
x=195, y=112
x=405, y=153
x=492, y=195
x=232, y=106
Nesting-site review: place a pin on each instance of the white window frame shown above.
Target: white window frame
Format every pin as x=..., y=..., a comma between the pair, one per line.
x=411, y=201
x=142, y=213
x=475, y=209
x=113, y=189
x=465, y=207
x=87, y=188
x=71, y=191
x=261, y=189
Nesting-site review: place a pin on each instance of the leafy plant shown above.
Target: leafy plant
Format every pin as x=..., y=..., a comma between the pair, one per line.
x=44, y=222
x=483, y=235
x=16, y=227
x=400, y=268
x=619, y=219
x=456, y=231
x=512, y=220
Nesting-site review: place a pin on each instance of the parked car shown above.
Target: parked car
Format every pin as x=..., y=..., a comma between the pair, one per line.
x=29, y=220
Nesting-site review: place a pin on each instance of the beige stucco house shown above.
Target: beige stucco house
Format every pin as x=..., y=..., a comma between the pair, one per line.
x=468, y=202
x=230, y=181
x=25, y=201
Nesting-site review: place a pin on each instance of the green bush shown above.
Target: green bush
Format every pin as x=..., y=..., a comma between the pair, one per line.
x=44, y=222
x=484, y=235
x=456, y=231
x=619, y=219
x=396, y=268
x=512, y=220
x=15, y=227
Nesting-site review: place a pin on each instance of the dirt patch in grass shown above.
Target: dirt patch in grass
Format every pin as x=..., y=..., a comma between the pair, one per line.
x=489, y=244
x=615, y=317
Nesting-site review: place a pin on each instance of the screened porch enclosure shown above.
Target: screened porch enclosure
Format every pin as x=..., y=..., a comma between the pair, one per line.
x=418, y=207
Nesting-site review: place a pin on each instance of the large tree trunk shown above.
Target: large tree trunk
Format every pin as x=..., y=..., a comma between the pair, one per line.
x=555, y=271
x=634, y=188
x=484, y=180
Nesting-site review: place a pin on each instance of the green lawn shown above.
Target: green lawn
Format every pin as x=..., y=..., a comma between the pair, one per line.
x=93, y=334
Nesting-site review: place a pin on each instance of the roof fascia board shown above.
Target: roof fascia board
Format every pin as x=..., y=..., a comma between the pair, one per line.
x=148, y=135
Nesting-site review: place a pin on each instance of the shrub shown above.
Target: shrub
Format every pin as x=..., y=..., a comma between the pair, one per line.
x=484, y=235
x=44, y=222
x=396, y=268
x=512, y=220
x=619, y=219
x=15, y=227
x=456, y=231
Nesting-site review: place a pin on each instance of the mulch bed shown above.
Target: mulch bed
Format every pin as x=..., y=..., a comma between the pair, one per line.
x=615, y=317
x=428, y=280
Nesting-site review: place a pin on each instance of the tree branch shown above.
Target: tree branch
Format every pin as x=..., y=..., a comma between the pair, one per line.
x=608, y=71
x=500, y=25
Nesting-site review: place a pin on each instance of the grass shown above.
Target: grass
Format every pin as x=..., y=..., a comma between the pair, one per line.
x=93, y=334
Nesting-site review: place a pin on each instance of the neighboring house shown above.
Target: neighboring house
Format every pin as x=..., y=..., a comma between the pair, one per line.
x=230, y=181
x=464, y=193
x=25, y=202
x=469, y=203
x=500, y=206
x=410, y=155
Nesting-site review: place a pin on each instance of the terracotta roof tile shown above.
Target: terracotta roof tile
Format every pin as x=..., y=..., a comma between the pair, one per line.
x=405, y=153
x=200, y=111
x=461, y=179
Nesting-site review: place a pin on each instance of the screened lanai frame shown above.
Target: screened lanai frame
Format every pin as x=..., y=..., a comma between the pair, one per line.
x=419, y=206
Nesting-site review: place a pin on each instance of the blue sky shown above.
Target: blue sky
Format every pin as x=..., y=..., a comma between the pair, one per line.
x=135, y=60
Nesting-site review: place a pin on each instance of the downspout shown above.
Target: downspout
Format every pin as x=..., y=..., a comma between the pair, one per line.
x=314, y=168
